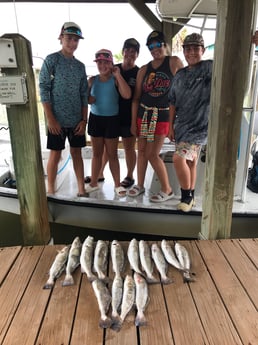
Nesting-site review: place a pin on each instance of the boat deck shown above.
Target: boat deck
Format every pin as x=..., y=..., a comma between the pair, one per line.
x=220, y=307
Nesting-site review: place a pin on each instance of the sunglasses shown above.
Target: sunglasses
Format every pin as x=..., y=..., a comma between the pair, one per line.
x=73, y=30
x=103, y=55
x=155, y=45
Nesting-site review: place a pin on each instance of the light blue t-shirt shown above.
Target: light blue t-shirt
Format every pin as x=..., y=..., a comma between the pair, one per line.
x=106, y=97
x=63, y=83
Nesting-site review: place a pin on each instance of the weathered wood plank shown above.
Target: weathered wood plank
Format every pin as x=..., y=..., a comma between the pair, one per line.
x=60, y=313
x=250, y=247
x=7, y=259
x=233, y=295
x=183, y=315
x=244, y=269
x=85, y=328
x=213, y=315
x=15, y=284
x=33, y=303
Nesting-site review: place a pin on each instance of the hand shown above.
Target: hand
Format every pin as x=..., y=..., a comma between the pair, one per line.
x=80, y=128
x=54, y=127
x=116, y=71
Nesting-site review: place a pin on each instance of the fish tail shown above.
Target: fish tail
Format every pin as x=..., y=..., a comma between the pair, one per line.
x=116, y=323
x=187, y=277
x=68, y=281
x=91, y=277
x=140, y=320
x=49, y=284
x=152, y=280
x=166, y=280
x=105, y=323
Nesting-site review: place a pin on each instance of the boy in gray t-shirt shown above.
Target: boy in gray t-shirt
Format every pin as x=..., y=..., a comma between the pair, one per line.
x=190, y=99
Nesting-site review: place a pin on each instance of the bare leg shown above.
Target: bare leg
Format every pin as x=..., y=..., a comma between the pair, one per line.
x=182, y=171
x=141, y=162
x=53, y=160
x=152, y=152
x=78, y=168
x=96, y=162
x=111, y=149
x=130, y=155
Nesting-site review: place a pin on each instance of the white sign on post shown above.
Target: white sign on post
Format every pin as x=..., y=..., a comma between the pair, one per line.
x=13, y=90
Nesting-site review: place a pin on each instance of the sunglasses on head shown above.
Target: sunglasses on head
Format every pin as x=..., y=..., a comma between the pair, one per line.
x=155, y=45
x=102, y=55
x=73, y=30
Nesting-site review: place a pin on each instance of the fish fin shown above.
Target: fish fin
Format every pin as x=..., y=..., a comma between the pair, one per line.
x=140, y=320
x=68, y=281
x=105, y=323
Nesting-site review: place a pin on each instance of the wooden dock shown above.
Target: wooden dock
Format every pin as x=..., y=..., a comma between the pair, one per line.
x=220, y=307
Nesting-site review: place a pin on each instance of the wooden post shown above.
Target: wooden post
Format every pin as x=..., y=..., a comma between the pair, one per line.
x=26, y=150
x=230, y=71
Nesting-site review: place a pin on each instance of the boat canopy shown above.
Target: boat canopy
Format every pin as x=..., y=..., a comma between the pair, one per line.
x=168, y=9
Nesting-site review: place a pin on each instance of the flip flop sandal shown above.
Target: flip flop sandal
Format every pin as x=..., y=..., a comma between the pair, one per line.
x=87, y=179
x=84, y=195
x=120, y=191
x=161, y=197
x=90, y=189
x=135, y=191
x=127, y=182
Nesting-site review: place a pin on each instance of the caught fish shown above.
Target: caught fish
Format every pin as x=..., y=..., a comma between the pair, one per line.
x=170, y=256
x=57, y=267
x=160, y=263
x=146, y=262
x=117, y=295
x=184, y=259
x=141, y=299
x=73, y=261
x=133, y=255
x=100, y=259
x=118, y=259
x=104, y=299
x=128, y=301
x=86, y=258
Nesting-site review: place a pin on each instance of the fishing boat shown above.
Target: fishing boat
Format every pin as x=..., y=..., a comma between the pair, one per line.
x=103, y=210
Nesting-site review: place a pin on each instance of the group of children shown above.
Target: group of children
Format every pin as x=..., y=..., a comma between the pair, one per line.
x=161, y=99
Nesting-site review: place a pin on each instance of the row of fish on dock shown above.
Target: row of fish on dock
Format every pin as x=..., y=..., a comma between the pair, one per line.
x=125, y=292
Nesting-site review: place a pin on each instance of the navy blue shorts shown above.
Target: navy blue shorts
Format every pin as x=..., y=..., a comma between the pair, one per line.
x=125, y=131
x=104, y=126
x=57, y=142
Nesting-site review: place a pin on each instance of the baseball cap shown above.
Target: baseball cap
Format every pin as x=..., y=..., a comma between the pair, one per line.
x=104, y=54
x=70, y=28
x=155, y=36
x=193, y=39
x=131, y=43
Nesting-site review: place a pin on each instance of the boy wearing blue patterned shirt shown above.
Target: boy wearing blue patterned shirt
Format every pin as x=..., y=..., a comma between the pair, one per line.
x=63, y=90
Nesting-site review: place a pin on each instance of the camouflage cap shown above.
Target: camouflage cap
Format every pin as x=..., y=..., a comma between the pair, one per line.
x=193, y=39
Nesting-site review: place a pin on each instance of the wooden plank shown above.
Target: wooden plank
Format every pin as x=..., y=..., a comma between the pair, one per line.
x=15, y=284
x=158, y=328
x=189, y=307
x=250, y=247
x=33, y=303
x=85, y=329
x=59, y=316
x=233, y=295
x=244, y=269
x=7, y=259
x=214, y=317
